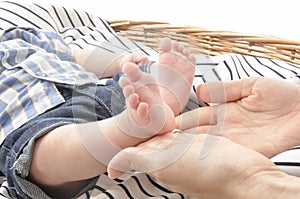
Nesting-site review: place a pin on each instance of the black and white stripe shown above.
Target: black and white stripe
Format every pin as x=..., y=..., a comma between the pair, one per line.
x=81, y=30
x=136, y=186
x=236, y=66
x=29, y=15
x=78, y=28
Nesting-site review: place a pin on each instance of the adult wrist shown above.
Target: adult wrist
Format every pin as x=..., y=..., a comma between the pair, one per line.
x=267, y=184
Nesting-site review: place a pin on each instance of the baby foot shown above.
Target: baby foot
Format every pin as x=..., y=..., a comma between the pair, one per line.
x=147, y=112
x=175, y=74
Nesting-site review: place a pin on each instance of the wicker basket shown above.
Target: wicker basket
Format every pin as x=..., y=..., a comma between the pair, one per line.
x=210, y=42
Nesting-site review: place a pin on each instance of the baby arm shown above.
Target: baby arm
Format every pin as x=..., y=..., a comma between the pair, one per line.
x=105, y=63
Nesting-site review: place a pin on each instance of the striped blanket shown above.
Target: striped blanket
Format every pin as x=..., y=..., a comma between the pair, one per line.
x=81, y=29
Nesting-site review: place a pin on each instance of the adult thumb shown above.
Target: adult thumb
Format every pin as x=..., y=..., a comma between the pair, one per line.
x=228, y=91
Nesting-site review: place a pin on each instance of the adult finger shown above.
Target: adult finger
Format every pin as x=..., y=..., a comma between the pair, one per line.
x=197, y=117
x=221, y=92
x=152, y=155
x=207, y=129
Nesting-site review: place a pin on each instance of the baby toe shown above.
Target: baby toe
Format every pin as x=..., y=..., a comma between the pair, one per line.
x=132, y=71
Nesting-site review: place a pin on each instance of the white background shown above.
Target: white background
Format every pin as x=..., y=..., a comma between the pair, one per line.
x=264, y=17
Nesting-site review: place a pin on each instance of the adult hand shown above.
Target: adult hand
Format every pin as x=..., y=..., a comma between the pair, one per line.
x=229, y=170
x=260, y=113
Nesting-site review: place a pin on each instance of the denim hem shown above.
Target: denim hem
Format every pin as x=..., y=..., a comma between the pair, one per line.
x=22, y=166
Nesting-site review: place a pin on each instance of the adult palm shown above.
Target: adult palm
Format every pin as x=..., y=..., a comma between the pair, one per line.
x=260, y=113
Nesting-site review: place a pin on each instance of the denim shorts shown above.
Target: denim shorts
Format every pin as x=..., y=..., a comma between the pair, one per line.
x=82, y=104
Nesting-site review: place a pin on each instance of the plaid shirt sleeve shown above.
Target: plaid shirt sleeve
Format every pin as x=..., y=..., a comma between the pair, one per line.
x=32, y=61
